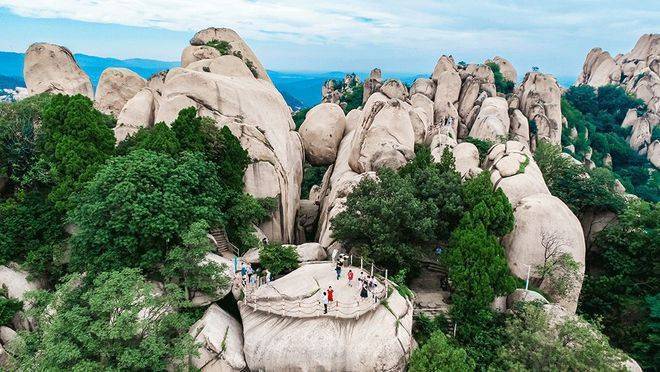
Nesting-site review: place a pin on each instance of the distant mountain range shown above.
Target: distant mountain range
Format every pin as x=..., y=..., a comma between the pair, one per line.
x=299, y=89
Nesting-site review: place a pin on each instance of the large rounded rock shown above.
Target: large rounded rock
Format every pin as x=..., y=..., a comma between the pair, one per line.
x=653, y=153
x=53, y=69
x=137, y=113
x=310, y=252
x=16, y=282
x=466, y=157
x=116, y=86
x=599, y=69
x=492, y=122
x=448, y=87
x=238, y=47
x=540, y=100
x=386, y=137
x=506, y=68
x=259, y=117
x=321, y=133
x=543, y=223
x=392, y=88
x=297, y=336
x=228, y=65
x=221, y=342
x=423, y=86
x=445, y=63
x=194, y=53
x=522, y=295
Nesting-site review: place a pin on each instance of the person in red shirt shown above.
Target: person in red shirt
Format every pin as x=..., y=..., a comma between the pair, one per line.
x=331, y=293
x=350, y=278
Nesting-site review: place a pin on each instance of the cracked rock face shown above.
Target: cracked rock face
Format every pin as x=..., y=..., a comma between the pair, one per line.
x=540, y=100
x=53, y=69
x=221, y=339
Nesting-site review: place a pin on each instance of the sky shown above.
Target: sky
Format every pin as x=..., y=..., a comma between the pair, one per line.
x=356, y=35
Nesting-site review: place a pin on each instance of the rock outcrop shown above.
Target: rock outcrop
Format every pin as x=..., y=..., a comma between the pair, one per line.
x=492, y=122
x=221, y=339
x=540, y=101
x=116, y=86
x=377, y=339
x=506, y=68
x=321, y=133
x=53, y=69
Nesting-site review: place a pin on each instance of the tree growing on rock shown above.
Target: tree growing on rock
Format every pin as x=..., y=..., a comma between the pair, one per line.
x=117, y=322
x=559, y=272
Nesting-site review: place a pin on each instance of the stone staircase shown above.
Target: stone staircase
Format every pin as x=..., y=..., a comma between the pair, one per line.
x=224, y=247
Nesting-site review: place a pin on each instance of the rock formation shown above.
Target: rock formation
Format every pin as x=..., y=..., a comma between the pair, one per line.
x=221, y=339
x=321, y=133
x=506, y=68
x=339, y=341
x=53, y=69
x=116, y=86
x=540, y=101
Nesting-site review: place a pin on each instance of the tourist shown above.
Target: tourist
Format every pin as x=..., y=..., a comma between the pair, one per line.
x=361, y=278
x=331, y=294
x=364, y=293
x=325, y=303
x=350, y=278
x=373, y=285
x=243, y=272
x=338, y=270
x=334, y=254
x=250, y=272
x=267, y=272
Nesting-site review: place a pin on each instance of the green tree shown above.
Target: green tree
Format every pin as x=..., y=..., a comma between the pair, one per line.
x=159, y=138
x=438, y=354
x=8, y=308
x=487, y=206
x=137, y=207
x=502, y=85
x=75, y=140
x=185, y=264
x=18, y=134
x=535, y=344
x=117, y=322
x=278, y=259
x=621, y=276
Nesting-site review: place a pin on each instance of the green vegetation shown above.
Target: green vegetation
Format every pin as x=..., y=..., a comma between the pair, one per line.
x=278, y=259
x=100, y=325
x=8, y=308
x=225, y=48
x=502, y=85
x=534, y=344
x=134, y=214
x=396, y=218
x=622, y=285
x=299, y=116
x=312, y=175
x=439, y=354
x=567, y=181
x=597, y=115
x=482, y=145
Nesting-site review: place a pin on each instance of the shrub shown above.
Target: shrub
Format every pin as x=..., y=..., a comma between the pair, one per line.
x=278, y=259
x=502, y=85
x=482, y=145
x=439, y=354
x=8, y=308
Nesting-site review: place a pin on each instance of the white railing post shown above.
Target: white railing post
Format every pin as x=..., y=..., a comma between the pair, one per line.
x=351, y=260
x=386, y=282
x=372, y=270
x=361, y=263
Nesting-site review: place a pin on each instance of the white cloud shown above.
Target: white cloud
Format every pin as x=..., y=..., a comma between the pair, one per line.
x=519, y=30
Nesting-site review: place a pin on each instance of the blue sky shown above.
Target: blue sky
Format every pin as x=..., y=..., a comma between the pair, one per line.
x=397, y=36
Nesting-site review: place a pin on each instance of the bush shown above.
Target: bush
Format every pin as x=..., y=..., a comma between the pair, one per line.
x=278, y=259
x=502, y=85
x=103, y=325
x=312, y=175
x=8, y=308
x=439, y=354
x=482, y=145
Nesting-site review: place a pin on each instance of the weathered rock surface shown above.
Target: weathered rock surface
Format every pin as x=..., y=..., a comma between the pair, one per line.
x=380, y=339
x=385, y=138
x=221, y=339
x=321, y=133
x=530, y=238
x=53, y=69
x=138, y=112
x=466, y=157
x=506, y=68
x=540, y=100
x=116, y=86
x=195, y=53
x=423, y=86
x=238, y=46
x=394, y=89
x=525, y=296
x=311, y=252
x=492, y=122
x=16, y=282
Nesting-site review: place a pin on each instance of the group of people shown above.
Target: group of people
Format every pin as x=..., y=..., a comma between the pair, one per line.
x=249, y=276
x=367, y=284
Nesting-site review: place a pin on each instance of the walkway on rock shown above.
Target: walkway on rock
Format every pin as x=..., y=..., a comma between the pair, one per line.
x=300, y=293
